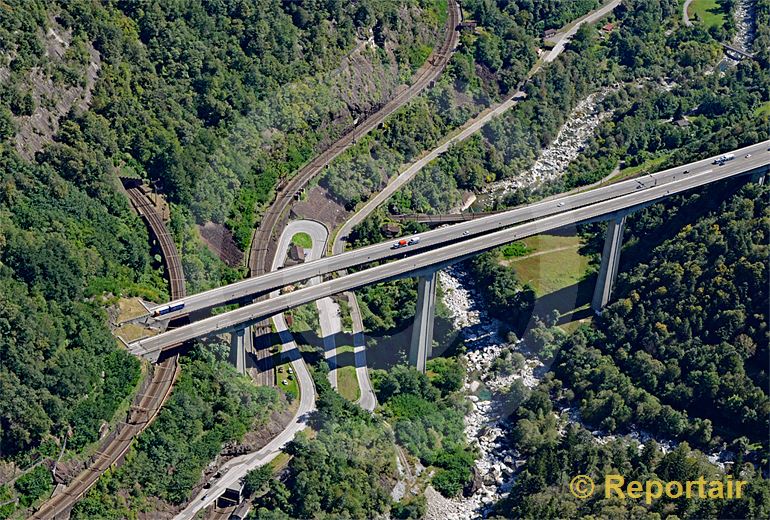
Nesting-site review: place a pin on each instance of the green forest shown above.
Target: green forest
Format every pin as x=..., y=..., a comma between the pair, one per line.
x=211, y=102
x=217, y=103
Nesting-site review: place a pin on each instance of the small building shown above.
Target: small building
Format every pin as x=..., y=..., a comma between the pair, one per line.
x=608, y=27
x=390, y=229
x=296, y=253
x=682, y=123
x=232, y=495
x=468, y=25
x=549, y=33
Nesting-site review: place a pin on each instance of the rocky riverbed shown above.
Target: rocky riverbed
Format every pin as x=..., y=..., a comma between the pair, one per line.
x=554, y=159
x=744, y=23
x=484, y=425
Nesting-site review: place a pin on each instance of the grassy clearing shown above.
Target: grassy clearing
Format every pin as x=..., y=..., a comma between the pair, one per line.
x=514, y=249
x=648, y=166
x=708, y=12
x=129, y=332
x=347, y=383
x=553, y=264
x=291, y=388
x=302, y=240
x=130, y=308
x=763, y=111
x=344, y=349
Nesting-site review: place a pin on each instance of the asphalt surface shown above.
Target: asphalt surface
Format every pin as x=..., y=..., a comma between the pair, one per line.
x=468, y=130
x=264, y=283
x=460, y=231
x=331, y=325
x=368, y=399
x=685, y=14
x=561, y=39
x=238, y=467
x=549, y=215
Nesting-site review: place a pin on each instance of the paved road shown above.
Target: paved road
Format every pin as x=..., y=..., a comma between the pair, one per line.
x=549, y=215
x=262, y=241
x=331, y=325
x=685, y=14
x=448, y=234
x=237, y=468
x=560, y=39
x=469, y=129
x=249, y=287
x=368, y=399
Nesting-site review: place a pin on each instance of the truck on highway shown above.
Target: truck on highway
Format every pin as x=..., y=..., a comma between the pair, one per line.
x=724, y=158
x=405, y=242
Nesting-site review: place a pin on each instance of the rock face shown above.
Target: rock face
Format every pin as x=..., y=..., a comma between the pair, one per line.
x=494, y=469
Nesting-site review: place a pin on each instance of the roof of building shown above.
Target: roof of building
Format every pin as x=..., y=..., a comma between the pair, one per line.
x=296, y=253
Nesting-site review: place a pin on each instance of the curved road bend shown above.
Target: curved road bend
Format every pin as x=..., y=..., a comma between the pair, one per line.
x=236, y=468
x=685, y=14
x=264, y=236
x=147, y=404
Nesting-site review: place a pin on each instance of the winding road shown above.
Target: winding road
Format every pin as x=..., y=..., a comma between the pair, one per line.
x=368, y=399
x=237, y=468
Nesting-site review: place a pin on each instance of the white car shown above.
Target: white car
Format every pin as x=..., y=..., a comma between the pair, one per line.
x=561, y=204
x=748, y=155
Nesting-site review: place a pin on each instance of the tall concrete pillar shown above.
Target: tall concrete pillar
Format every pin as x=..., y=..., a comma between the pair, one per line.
x=759, y=178
x=422, y=331
x=610, y=259
x=238, y=349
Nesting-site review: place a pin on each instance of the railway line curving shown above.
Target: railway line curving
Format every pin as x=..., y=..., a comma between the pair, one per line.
x=264, y=240
x=148, y=402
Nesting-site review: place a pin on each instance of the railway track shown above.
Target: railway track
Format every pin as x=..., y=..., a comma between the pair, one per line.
x=264, y=240
x=171, y=259
x=148, y=403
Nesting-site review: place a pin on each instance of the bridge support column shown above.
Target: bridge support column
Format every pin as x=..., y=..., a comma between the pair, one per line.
x=609, y=267
x=759, y=178
x=238, y=349
x=422, y=331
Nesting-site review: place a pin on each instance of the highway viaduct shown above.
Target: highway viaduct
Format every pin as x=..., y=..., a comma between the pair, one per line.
x=446, y=246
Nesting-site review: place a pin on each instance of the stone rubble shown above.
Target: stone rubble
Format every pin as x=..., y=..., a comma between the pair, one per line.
x=484, y=424
x=744, y=24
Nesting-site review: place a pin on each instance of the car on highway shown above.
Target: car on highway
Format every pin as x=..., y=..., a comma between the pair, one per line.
x=561, y=204
x=748, y=155
x=686, y=172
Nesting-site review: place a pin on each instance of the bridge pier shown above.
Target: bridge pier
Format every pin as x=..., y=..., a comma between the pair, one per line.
x=422, y=331
x=759, y=178
x=610, y=259
x=238, y=349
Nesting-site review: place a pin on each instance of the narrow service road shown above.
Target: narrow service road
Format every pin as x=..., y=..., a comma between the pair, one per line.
x=237, y=468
